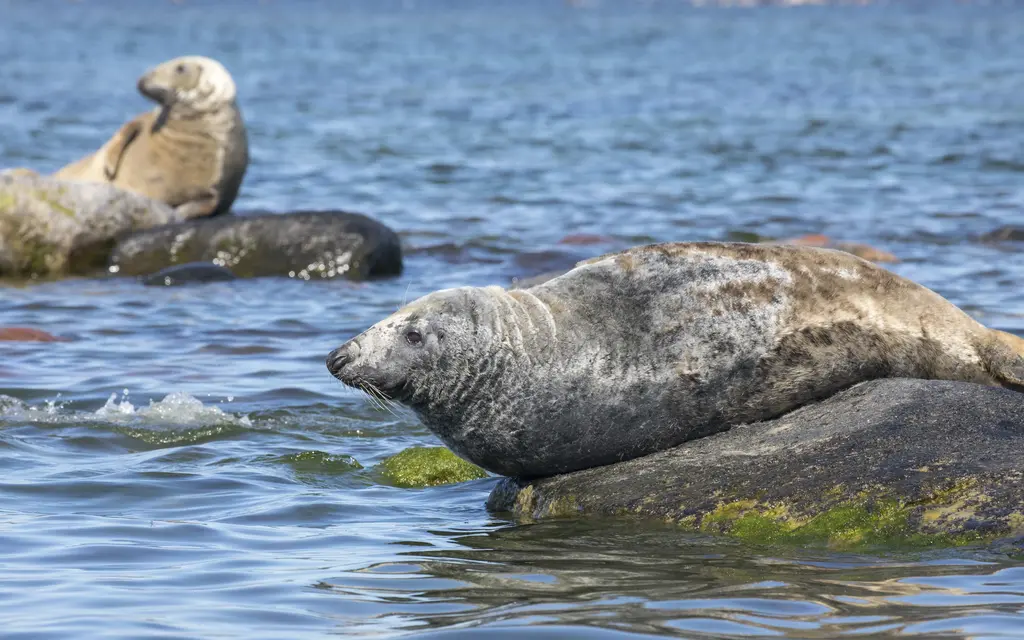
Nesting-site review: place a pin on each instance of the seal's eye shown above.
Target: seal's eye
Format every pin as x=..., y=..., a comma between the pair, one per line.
x=180, y=68
x=413, y=337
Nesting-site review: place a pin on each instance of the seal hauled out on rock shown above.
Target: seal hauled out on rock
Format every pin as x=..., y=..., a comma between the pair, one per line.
x=635, y=352
x=191, y=152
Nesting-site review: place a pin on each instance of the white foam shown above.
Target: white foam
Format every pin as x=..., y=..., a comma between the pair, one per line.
x=176, y=409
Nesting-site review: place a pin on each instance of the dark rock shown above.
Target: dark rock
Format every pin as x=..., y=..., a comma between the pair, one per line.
x=892, y=462
x=310, y=245
x=1004, y=234
x=190, y=273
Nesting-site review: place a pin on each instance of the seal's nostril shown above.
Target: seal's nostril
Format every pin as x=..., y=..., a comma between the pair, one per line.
x=337, y=360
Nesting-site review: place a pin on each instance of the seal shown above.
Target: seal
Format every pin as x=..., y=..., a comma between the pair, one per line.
x=636, y=352
x=191, y=152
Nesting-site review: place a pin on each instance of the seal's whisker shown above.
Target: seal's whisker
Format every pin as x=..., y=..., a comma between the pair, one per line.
x=373, y=399
x=385, y=401
x=367, y=389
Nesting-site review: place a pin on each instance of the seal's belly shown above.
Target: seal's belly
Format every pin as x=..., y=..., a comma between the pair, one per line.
x=173, y=169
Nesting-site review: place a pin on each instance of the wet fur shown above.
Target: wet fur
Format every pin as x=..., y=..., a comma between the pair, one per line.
x=191, y=152
x=638, y=351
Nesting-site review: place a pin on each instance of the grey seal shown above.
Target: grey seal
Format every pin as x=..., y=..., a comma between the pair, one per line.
x=190, y=152
x=638, y=351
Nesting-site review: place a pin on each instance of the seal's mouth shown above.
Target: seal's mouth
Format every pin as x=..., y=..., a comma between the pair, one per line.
x=156, y=93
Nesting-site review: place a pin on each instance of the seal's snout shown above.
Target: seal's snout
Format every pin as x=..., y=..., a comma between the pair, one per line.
x=341, y=357
x=153, y=90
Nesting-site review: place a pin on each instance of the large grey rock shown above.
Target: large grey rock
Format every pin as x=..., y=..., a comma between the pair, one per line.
x=50, y=227
x=310, y=245
x=888, y=461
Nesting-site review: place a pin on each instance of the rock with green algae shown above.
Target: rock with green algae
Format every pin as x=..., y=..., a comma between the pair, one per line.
x=892, y=462
x=51, y=228
x=419, y=467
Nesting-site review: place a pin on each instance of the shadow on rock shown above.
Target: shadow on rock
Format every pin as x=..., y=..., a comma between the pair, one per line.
x=309, y=245
x=190, y=273
x=892, y=462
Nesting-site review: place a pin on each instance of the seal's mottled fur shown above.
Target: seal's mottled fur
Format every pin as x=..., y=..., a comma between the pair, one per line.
x=638, y=351
x=191, y=152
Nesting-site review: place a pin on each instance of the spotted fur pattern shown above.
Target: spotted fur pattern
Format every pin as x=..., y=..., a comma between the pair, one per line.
x=638, y=351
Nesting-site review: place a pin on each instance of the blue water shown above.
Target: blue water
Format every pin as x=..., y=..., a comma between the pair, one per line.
x=157, y=475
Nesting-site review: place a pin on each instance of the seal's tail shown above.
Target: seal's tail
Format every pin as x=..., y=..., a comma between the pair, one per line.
x=1012, y=374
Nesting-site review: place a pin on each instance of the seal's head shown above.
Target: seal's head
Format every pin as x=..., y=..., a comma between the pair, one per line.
x=191, y=83
x=414, y=355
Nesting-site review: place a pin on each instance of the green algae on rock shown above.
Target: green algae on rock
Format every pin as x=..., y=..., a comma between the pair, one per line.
x=319, y=462
x=892, y=463
x=51, y=228
x=419, y=467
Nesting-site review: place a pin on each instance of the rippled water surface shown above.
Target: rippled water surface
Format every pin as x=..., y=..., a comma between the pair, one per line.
x=184, y=465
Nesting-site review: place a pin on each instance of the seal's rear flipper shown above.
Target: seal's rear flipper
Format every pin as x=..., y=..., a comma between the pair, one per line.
x=202, y=203
x=1004, y=357
x=1014, y=378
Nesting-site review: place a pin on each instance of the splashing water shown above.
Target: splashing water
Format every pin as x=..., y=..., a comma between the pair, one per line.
x=177, y=409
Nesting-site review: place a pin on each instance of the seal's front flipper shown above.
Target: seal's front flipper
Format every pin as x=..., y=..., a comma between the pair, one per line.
x=118, y=145
x=20, y=172
x=201, y=205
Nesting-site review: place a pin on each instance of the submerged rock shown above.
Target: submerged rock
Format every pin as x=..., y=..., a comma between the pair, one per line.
x=51, y=228
x=419, y=467
x=890, y=462
x=190, y=273
x=1004, y=234
x=27, y=334
x=310, y=245
x=864, y=251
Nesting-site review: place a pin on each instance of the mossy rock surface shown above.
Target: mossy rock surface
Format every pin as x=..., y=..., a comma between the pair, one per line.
x=419, y=467
x=891, y=463
x=307, y=245
x=51, y=228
